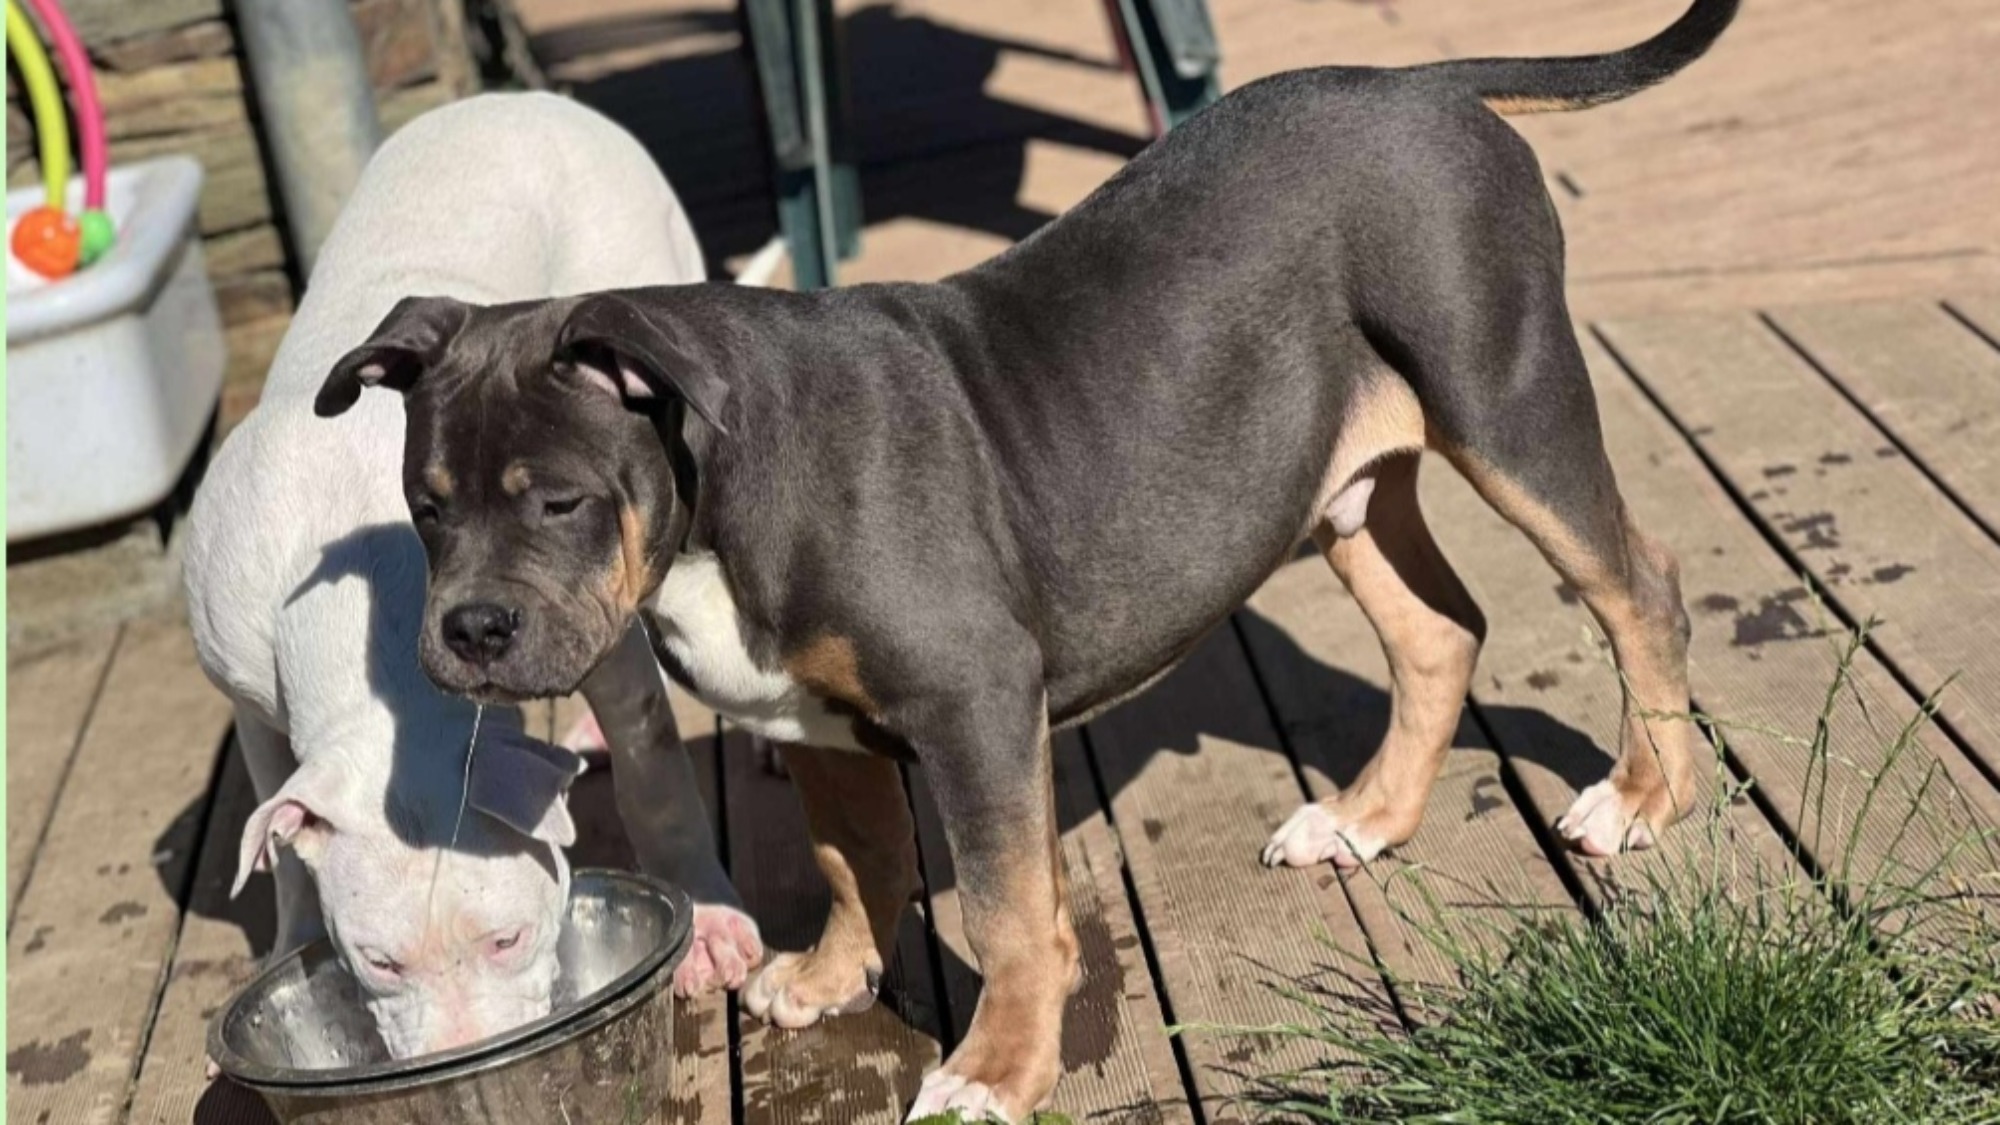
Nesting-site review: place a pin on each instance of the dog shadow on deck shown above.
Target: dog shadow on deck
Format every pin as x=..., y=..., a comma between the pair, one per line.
x=1217, y=696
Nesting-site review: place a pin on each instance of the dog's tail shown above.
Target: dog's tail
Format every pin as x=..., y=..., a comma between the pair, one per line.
x=1516, y=86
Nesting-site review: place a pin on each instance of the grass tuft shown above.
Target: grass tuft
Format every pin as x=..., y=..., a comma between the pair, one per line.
x=1695, y=994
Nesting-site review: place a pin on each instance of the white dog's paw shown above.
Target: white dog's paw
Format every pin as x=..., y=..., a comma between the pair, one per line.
x=210, y=1070
x=1318, y=833
x=1604, y=821
x=726, y=946
x=945, y=1092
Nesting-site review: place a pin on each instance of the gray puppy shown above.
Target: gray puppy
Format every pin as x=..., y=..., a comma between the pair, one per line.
x=932, y=522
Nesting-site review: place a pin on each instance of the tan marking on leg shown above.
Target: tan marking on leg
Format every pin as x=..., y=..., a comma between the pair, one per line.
x=1382, y=419
x=516, y=479
x=1430, y=630
x=865, y=844
x=439, y=480
x=1632, y=587
x=1017, y=921
x=829, y=667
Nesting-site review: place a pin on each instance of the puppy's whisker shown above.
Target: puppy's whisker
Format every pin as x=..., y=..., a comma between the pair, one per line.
x=464, y=796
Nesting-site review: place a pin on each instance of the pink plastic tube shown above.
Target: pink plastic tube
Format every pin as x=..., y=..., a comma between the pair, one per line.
x=82, y=87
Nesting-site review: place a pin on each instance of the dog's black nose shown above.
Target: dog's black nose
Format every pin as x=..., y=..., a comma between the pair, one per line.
x=481, y=632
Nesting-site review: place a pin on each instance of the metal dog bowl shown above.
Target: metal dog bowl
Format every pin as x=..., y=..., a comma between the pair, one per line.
x=300, y=1037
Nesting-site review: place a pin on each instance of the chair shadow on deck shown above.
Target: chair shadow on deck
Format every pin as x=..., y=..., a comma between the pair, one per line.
x=917, y=93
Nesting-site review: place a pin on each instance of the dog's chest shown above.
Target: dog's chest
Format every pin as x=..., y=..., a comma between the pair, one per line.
x=699, y=636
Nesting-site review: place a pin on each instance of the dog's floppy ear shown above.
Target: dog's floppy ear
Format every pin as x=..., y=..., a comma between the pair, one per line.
x=411, y=338
x=612, y=340
x=524, y=783
x=302, y=816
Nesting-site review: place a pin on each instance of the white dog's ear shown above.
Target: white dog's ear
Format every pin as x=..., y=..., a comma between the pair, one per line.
x=524, y=783
x=410, y=339
x=296, y=818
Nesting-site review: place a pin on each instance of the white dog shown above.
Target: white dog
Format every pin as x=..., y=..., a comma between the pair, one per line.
x=306, y=586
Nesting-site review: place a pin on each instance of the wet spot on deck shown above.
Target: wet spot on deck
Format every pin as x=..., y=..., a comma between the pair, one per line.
x=45, y=1064
x=1092, y=1018
x=1568, y=594
x=1486, y=797
x=1773, y=472
x=121, y=912
x=1543, y=680
x=1776, y=618
x=38, y=939
x=1894, y=572
x=1718, y=603
x=1154, y=830
x=1819, y=529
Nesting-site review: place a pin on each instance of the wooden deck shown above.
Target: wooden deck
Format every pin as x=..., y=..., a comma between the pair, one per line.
x=1788, y=300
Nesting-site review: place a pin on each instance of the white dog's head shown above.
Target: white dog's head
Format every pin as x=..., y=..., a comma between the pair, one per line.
x=450, y=944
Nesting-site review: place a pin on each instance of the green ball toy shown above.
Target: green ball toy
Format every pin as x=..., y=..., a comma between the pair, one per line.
x=98, y=236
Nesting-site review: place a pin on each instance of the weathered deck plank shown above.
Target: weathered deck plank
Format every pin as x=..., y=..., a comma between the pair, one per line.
x=1871, y=529
x=221, y=944
x=847, y=1070
x=97, y=921
x=1197, y=780
x=1762, y=663
x=1922, y=377
x=49, y=696
x=1118, y=1065
x=1323, y=668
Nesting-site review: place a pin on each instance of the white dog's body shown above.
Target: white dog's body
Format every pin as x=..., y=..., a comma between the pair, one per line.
x=306, y=587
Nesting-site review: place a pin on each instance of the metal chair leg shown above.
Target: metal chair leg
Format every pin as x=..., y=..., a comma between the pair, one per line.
x=785, y=37
x=1172, y=45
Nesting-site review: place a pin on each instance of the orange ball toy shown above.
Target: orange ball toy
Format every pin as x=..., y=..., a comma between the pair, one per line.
x=48, y=241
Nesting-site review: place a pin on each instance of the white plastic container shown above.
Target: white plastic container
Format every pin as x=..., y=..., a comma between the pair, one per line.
x=114, y=371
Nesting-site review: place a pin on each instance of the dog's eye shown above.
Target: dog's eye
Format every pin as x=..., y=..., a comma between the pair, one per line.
x=425, y=511
x=562, y=507
x=498, y=945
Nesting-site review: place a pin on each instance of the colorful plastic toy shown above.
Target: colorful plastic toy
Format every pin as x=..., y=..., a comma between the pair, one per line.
x=48, y=240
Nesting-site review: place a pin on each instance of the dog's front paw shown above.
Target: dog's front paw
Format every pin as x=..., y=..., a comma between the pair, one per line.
x=946, y=1093
x=1320, y=832
x=797, y=989
x=1606, y=820
x=726, y=946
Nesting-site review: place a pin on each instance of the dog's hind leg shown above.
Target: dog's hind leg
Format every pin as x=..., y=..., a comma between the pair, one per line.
x=1526, y=435
x=1430, y=630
